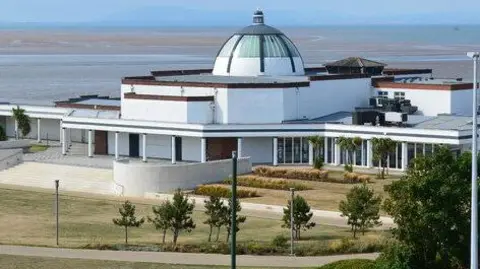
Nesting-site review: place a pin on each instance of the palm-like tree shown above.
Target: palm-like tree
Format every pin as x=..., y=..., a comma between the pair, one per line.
x=349, y=145
x=381, y=148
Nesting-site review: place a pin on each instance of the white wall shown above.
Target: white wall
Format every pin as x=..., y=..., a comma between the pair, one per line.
x=329, y=96
x=199, y=112
x=123, y=144
x=191, y=149
x=461, y=102
x=136, y=178
x=154, y=110
x=429, y=102
x=158, y=146
x=255, y=106
x=259, y=149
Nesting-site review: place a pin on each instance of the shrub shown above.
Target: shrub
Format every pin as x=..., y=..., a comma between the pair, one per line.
x=224, y=192
x=348, y=168
x=266, y=183
x=302, y=174
x=364, y=178
x=351, y=177
x=350, y=264
x=318, y=163
x=279, y=241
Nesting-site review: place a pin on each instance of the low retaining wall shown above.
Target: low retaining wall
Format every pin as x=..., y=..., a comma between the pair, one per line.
x=136, y=179
x=15, y=144
x=10, y=158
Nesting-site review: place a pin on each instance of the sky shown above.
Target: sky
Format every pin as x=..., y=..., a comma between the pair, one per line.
x=230, y=12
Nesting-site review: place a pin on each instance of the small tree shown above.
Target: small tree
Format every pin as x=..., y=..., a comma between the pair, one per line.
x=381, y=148
x=127, y=219
x=301, y=216
x=181, y=219
x=214, y=210
x=3, y=136
x=349, y=145
x=361, y=208
x=162, y=219
x=227, y=217
x=22, y=121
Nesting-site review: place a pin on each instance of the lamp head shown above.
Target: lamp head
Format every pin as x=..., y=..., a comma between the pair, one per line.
x=473, y=55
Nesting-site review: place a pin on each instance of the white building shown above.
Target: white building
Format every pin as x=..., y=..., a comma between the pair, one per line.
x=261, y=101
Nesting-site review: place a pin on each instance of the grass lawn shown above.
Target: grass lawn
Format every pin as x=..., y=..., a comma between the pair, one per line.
x=27, y=218
x=323, y=195
x=27, y=262
x=37, y=148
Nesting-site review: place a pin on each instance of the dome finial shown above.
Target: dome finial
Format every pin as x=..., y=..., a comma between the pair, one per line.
x=258, y=17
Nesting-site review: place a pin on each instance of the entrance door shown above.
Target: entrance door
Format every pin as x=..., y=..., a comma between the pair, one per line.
x=178, y=148
x=134, y=141
x=101, y=143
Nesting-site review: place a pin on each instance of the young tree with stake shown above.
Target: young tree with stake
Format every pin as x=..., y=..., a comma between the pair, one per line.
x=361, y=208
x=227, y=217
x=301, y=216
x=128, y=219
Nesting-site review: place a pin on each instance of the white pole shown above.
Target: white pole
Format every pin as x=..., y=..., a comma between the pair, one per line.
x=144, y=146
x=90, y=147
x=310, y=153
x=116, y=146
x=239, y=147
x=292, y=237
x=275, y=151
x=174, y=150
x=203, y=150
x=474, y=228
x=39, y=133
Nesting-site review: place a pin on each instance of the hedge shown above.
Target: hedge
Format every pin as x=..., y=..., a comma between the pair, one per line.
x=351, y=177
x=288, y=173
x=350, y=264
x=224, y=192
x=267, y=183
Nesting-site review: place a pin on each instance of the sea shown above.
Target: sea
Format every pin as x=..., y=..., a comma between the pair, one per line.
x=45, y=64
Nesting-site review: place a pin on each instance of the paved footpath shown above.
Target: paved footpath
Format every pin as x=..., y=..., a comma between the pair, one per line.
x=179, y=258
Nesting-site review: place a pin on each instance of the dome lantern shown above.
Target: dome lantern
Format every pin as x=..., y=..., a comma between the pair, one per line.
x=258, y=49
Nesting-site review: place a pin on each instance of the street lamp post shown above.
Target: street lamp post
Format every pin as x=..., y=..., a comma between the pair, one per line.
x=474, y=217
x=292, y=236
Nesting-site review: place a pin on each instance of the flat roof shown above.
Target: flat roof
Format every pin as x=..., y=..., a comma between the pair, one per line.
x=208, y=78
x=98, y=114
x=99, y=102
x=440, y=122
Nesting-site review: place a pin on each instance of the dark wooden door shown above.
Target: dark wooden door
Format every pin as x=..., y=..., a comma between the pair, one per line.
x=101, y=143
x=220, y=148
x=134, y=145
x=178, y=148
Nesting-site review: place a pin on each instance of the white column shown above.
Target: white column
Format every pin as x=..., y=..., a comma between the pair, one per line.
x=17, y=135
x=239, y=147
x=404, y=156
x=61, y=132
x=369, y=154
x=362, y=153
x=275, y=151
x=144, y=147
x=39, y=133
x=116, y=146
x=64, y=145
x=90, y=142
x=310, y=153
x=325, y=149
x=337, y=153
x=174, y=150
x=203, y=150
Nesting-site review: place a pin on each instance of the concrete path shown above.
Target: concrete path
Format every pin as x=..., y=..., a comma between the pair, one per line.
x=180, y=258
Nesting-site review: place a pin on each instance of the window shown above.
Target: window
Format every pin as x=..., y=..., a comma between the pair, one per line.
x=399, y=95
x=382, y=94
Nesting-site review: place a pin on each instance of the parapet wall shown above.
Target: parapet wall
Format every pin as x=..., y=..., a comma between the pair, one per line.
x=136, y=179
